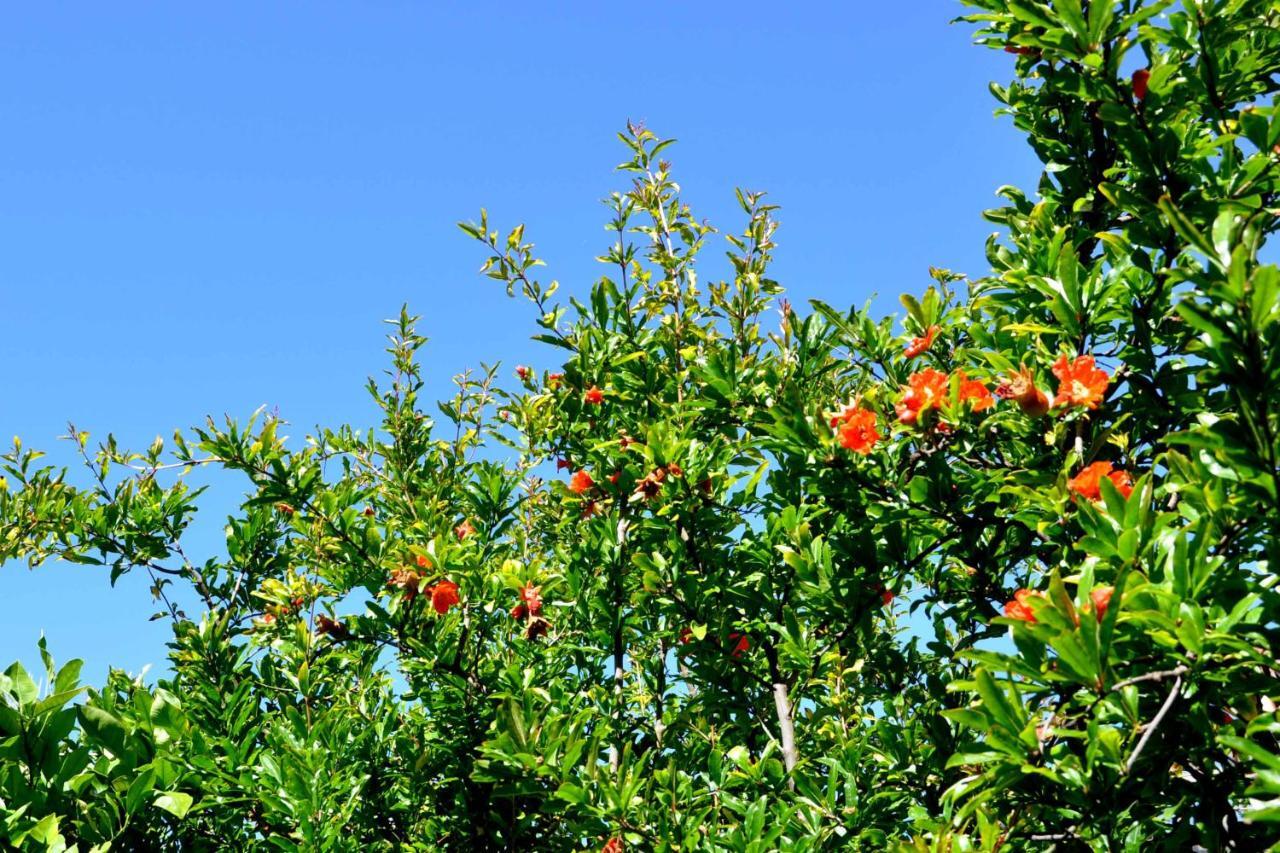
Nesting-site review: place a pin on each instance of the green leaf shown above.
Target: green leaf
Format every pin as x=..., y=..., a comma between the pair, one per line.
x=175, y=803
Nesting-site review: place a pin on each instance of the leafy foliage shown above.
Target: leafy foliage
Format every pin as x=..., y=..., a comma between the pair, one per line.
x=720, y=582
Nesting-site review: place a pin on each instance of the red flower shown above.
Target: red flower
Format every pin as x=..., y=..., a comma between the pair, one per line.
x=563, y=464
x=465, y=529
x=1101, y=597
x=926, y=390
x=590, y=508
x=920, y=345
x=1020, y=607
x=1140, y=80
x=1080, y=383
x=740, y=644
x=674, y=470
x=580, y=482
x=532, y=597
x=613, y=478
x=1020, y=386
x=553, y=379
x=443, y=596
x=857, y=429
x=972, y=389
x=522, y=372
x=1088, y=482
x=519, y=611
x=593, y=396
x=284, y=508
x=686, y=635
x=269, y=618
x=886, y=595
x=422, y=561
x=368, y=511
x=613, y=845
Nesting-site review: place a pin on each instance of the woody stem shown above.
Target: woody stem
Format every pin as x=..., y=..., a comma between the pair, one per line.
x=782, y=704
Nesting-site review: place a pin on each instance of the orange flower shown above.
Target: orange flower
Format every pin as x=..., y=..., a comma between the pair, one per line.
x=972, y=389
x=1020, y=607
x=580, y=482
x=1140, y=80
x=921, y=345
x=1101, y=597
x=593, y=396
x=857, y=429
x=674, y=470
x=532, y=598
x=268, y=618
x=332, y=627
x=649, y=485
x=1088, y=482
x=1080, y=383
x=285, y=508
x=1020, y=386
x=422, y=561
x=443, y=596
x=613, y=845
x=465, y=529
x=407, y=580
x=926, y=390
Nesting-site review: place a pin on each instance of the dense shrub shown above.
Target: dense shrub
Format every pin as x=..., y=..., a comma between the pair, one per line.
x=720, y=580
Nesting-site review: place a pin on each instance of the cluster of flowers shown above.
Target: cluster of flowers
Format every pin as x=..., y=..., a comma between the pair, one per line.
x=529, y=611
x=443, y=593
x=1020, y=608
x=738, y=642
x=646, y=488
x=281, y=611
x=1081, y=383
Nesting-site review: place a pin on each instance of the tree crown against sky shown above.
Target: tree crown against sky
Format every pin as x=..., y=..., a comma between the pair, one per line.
x=739, y=579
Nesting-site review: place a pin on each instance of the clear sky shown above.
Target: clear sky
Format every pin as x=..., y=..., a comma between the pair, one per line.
x=205, y=208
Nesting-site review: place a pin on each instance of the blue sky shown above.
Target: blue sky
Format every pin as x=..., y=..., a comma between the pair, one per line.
x=209, y=208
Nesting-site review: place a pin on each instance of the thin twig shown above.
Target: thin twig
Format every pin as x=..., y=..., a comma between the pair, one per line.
x=1154, y=724
x=1176, y=672
x=1055, y=836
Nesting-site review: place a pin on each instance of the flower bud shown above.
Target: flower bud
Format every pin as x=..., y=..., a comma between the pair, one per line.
x=1020, y=386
